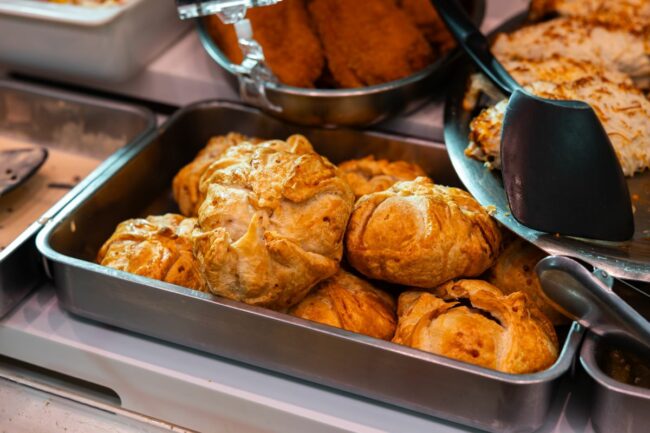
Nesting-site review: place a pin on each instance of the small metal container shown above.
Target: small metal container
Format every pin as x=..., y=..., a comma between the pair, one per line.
x=615, y=406
x=347, y=107
x=377, y=369
x=76, y=124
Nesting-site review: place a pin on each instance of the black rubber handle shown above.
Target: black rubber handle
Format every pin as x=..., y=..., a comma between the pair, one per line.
x=475, y=44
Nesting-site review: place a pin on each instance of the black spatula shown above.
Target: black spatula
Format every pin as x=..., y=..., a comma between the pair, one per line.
x=559, y=168
x=18, y=165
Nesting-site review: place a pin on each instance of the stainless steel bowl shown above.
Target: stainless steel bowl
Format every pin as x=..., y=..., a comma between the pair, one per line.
x=348, y=107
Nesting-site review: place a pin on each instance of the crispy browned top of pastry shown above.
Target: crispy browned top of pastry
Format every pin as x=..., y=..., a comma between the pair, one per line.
x=368, y=42
x=420, y=234
x=346, y=301
x=157, y=247
x=272, y=223
x=514, y=271
x=368, y=175
x=505, y=333
x=291, y=48
x=185, y=185
x=425, y=16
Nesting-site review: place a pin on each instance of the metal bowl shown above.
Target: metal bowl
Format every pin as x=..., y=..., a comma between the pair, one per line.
x=347, y=107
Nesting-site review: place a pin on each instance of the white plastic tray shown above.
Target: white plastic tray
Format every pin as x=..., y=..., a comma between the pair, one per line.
x=104, y=43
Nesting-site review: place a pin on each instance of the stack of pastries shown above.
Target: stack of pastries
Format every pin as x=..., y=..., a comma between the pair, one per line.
x=341, y=43
x=274, y=224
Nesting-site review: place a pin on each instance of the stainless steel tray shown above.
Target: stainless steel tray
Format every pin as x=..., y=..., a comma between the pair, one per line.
x=409, y=378
x=628, y=260
x=348, y=107
x=76, y=124
x=615, y=406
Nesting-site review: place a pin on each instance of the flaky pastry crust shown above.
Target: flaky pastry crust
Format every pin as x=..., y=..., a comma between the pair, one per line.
x=368, y=175
x=470, y=320
x=271, y=226
x=514, y=271
x=420, y=234
x=158, y=247
x=351, y=303
x=185, y=185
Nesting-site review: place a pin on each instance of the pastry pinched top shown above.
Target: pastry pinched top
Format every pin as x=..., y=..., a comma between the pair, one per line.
x=158, y=247
x=272, y=222
x=368, y=175
x=349, y=302
x=420, y=234
x=505, y=333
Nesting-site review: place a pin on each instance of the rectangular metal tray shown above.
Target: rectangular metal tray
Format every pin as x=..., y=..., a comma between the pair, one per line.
x=615, y=406
x=381, y=370
x=108, y=44
x=77, y=124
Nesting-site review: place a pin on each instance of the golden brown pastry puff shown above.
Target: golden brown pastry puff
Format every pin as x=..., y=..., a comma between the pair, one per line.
x=368, y=42
x=185, y=185
x=158, y=247
x=291, y=48
x=272, y=223
x=368, y=175
x=505, y=333
x=420, y=234
x=346, y=301
x=514, y=271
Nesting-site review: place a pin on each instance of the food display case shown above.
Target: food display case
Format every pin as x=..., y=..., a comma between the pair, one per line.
x=93, y=348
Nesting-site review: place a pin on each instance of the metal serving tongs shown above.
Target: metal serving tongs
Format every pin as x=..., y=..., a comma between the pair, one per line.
x=588, y=298
x=559, y=169
x=253, y=74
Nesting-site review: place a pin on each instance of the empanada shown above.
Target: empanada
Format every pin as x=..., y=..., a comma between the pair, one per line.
x=470, y=320
x=346, y=301
x=158, y=247
x=368, y=175
x=271, y=226
x=420, y=234
x=185, y=185
x=514, y=271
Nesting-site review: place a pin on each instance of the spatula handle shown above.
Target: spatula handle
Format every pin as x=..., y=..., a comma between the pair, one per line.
x=475, y=44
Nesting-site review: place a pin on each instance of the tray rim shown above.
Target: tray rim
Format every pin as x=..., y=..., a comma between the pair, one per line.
x=566, y=356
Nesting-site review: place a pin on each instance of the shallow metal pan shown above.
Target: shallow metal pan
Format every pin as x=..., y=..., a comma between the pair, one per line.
x=409, y=378
x=615, y=406
x=627, y=260
x=348, y=107
x=77, y=124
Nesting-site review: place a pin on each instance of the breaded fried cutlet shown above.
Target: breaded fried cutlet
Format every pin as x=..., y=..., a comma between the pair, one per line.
x=622, y=108
x=291, y=48
x=425, y=16
x=368, y=42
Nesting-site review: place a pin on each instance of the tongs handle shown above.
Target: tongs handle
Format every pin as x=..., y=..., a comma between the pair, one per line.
x=586, y=298
x=475, y=44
